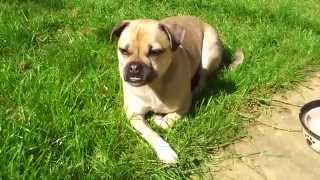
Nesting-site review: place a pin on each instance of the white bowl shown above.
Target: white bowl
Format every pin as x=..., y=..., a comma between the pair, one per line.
x=310, y=120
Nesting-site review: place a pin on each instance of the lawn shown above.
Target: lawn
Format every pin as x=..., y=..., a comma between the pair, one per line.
x=60, y=95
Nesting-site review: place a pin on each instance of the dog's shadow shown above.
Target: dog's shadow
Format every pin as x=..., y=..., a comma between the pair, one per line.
x=215, y=84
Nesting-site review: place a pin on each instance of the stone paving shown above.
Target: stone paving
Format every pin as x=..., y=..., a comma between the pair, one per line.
x=275, y=148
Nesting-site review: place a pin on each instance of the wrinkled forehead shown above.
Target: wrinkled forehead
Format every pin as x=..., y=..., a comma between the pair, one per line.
x=141, y=34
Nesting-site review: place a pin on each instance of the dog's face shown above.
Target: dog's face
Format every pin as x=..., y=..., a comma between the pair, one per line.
x=145, y=49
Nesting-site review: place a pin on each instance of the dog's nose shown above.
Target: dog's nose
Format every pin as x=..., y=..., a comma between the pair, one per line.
x=135, y=68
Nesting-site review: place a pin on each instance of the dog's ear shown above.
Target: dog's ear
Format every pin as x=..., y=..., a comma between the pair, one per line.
x=175, y=34
x=117, y=29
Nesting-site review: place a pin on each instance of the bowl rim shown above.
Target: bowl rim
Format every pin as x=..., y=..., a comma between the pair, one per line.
x=306, y=108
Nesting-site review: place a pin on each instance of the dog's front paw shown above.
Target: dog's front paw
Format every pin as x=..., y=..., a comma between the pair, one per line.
x=167, y=121
x=161, y=122
x=166, y=154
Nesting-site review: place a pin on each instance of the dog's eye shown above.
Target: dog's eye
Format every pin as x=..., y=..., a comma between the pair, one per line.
x=155, y=52
x=124, y=51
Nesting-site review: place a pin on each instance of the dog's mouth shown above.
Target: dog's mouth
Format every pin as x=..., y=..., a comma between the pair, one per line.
x=136, y=81
x=140, y=75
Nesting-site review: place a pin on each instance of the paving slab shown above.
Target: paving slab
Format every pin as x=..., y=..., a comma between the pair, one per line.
x=275, y=148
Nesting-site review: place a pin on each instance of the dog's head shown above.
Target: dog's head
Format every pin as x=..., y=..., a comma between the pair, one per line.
x=145, y=49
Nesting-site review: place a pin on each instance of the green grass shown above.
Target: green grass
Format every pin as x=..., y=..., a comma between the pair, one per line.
x=60, y=98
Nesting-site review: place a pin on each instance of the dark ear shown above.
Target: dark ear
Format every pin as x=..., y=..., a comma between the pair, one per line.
x=175, y=34
x=117, y=29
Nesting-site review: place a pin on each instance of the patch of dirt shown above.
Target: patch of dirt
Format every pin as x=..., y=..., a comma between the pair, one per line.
x=275, y=148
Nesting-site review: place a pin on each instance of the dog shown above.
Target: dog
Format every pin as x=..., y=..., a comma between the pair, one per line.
x=163, y=64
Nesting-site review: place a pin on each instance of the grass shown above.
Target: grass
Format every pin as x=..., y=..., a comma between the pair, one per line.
x=60, y=96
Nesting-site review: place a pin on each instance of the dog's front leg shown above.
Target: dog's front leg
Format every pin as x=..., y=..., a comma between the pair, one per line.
x=163, y=150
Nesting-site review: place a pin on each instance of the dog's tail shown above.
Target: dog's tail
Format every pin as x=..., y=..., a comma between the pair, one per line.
x=237, y=60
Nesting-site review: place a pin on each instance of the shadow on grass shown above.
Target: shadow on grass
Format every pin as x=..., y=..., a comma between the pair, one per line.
x=215, y=85
x=285, y=15
x=103, y=34
x=46, y=4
